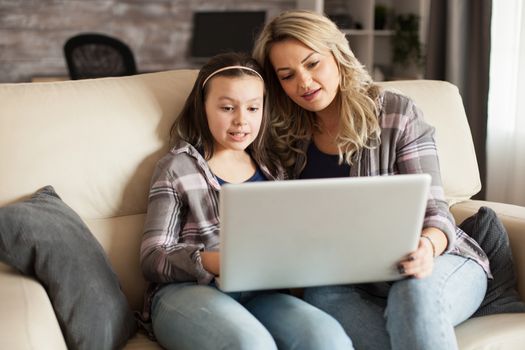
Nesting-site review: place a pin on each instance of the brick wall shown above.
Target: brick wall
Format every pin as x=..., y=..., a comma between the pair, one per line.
x=33, y=32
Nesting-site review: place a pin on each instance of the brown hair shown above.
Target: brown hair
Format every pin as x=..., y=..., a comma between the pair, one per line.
x=191, y=125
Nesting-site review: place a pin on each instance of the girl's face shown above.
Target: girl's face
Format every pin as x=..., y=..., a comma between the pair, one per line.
x=234, y=109
x=308, y=77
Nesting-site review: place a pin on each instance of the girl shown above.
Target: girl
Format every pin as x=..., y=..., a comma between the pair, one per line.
x=329, y=119
x=219, y=137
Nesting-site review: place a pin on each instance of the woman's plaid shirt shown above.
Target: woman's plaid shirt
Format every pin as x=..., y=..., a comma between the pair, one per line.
x=407, y=147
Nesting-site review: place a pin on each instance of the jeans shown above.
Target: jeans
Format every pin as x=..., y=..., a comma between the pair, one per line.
x=409, y=313
x=191, y=316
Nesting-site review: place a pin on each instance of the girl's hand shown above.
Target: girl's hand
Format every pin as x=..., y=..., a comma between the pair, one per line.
x=211, y=262
x=420, y=263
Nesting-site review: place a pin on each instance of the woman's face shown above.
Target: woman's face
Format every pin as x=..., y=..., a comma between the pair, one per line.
x=308, y=77
x=234, y=109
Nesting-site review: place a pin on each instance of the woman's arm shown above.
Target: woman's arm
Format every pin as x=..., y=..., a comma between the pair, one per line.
x=416, y=152
x=420, y=263
x=436, y=239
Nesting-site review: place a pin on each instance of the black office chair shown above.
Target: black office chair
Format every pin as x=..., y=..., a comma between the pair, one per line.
x=93, y=55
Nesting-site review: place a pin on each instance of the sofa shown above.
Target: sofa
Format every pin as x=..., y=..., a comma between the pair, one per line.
x=96, y=142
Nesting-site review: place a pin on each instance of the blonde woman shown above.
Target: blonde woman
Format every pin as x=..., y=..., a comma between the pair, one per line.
x=329, y=119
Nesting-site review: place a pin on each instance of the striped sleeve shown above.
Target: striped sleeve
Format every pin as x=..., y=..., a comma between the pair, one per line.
x=417, y=153
x=164, y=256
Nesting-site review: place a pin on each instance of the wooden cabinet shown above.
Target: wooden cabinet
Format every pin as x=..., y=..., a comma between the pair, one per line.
x=371, y=42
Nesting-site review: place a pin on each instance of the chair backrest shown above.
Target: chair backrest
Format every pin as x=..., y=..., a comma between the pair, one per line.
x=94, y=55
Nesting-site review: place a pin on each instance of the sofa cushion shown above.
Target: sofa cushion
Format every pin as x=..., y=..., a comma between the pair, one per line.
x=502, y=295
x=43, y=237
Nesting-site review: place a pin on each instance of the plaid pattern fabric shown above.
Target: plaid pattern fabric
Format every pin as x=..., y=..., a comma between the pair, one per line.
x=407, y=147
x=182, y=219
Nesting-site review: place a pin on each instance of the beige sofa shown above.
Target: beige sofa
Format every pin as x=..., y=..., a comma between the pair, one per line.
x=96, y=141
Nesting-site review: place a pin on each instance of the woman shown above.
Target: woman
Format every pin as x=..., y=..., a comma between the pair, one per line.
x=330, y=120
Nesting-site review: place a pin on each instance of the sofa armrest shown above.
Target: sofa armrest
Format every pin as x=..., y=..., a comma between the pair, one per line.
x=27, y=319
x=513, y=218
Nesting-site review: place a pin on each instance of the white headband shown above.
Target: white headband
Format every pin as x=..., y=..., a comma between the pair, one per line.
x=228, y=68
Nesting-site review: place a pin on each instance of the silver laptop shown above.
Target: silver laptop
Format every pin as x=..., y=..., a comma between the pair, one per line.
x=301, y=233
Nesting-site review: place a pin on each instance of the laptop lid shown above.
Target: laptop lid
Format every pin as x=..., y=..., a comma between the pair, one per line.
x=300, y=233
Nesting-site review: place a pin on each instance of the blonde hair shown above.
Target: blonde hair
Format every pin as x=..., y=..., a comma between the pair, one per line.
x=357, y=96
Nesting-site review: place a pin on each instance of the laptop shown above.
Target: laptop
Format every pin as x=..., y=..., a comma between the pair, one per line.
x=302, y=233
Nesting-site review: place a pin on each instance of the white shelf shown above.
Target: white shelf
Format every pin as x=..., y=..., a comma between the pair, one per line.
x=361, y=32
x=372, y=47
x=384, y=32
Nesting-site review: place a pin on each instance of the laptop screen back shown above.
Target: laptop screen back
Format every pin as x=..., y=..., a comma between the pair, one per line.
x=301, y=233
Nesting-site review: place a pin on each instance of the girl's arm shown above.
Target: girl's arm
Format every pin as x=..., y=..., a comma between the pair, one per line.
x=211, y=262
x=163, y=257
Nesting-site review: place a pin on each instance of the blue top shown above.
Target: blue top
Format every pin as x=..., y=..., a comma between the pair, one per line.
x=258, y=176
x=322, y=165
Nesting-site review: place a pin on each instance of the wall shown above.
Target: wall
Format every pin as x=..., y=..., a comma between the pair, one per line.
x=33, y=32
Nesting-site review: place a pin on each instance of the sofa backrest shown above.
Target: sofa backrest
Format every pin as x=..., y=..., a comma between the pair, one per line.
x=442, y=107
x=96, y=142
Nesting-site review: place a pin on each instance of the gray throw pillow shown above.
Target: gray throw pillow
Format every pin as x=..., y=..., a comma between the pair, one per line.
x=45, y=238
x=502, y=295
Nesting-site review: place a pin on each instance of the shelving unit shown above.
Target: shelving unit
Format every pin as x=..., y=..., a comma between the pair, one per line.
x=371, y=46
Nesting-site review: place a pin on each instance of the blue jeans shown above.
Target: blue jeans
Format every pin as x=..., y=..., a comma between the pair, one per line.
x=191, y=316
x=409, y=313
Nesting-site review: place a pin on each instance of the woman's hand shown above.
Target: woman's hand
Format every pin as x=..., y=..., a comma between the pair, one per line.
x=211, y=262
x=420, y=263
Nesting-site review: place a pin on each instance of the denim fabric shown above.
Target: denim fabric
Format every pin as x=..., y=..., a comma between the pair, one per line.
x=191, y=316
x=410, y=313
